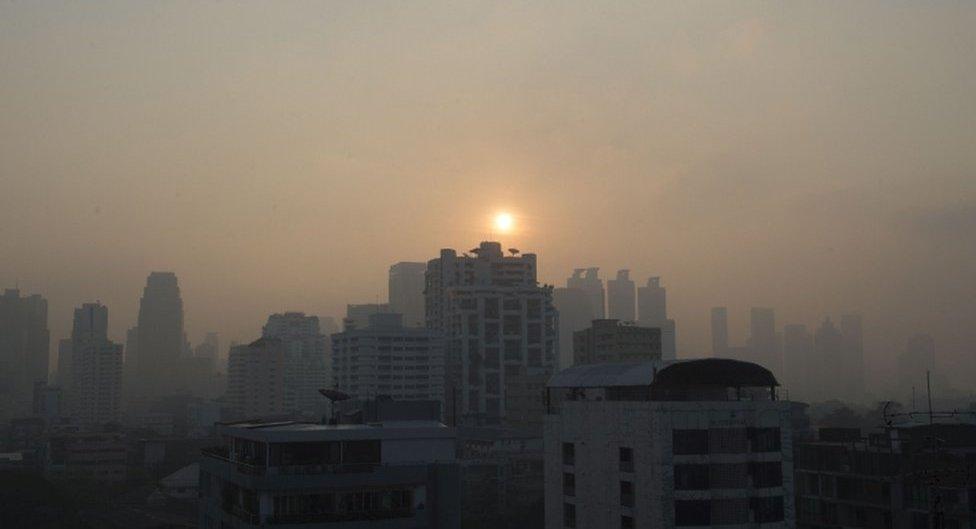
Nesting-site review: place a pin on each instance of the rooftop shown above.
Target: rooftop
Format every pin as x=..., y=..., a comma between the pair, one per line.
x=292, y=431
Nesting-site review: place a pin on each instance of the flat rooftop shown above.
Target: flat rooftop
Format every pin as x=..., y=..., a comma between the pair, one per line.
x=284, y=432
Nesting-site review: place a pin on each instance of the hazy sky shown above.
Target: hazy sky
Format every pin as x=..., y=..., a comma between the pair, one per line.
x=816, y=157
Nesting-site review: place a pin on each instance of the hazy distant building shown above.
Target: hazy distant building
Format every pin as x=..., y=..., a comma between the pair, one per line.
x=588, y=280
x=800, y=369
x=612, y=341
x=256, y=379
x=699, y=443
x=95, y=388
x=720, y=332
x=307, y=363
x=829, y=357
x=328, y=325
x=575, y=313
x=852, y=347
x=653, y=312
x=357, y=315
x=160, y=338
x=24, y=344
x=209, y=349
x=500, y=328
x=914, y=362
x=407, y=292
x=385, y=358
x=63, y=378
x=763, y=343
x=621, y=302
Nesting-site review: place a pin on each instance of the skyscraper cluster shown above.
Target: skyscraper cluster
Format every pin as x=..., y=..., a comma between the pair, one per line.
x=584, y=299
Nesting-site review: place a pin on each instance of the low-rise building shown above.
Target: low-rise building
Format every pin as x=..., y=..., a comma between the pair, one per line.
x=686, y=444
x=392, y=475
x=607, y=341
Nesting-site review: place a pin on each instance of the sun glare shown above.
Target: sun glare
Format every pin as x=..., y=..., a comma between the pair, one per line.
x=504, y=222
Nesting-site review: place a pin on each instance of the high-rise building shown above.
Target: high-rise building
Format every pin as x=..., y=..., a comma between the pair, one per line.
x=256, y=379
x=612, y=341
x=829, y=356
x=621, y=301
x=407, y=292
x=694, y=443
x=385, y=358
x=307, y=363
x=588, y=280
x=160, y=338
x=500, y=328
x=385, y=475
x=95, y=388
x=799, y=364
x=653, y=312
x=575, y=314
x=763, y=342
x=852, y=345
x=720, y=332
x=209, y=350
x=24, y=344
x=357, y=315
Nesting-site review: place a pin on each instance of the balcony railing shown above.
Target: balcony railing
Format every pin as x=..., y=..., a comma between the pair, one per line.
x=331, y=517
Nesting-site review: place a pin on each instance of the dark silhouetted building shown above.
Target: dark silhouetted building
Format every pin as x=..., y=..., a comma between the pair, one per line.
x=161, y=343
x=24, y=349
x=256, y=379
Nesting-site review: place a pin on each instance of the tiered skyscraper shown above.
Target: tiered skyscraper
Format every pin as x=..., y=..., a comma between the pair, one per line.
x=500, y=328
x=24, y=343
x=94, y=388
x=307, y=365
x=160, y=341
x=407, y=292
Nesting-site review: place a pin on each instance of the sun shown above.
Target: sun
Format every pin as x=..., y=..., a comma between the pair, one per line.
x=504, y=222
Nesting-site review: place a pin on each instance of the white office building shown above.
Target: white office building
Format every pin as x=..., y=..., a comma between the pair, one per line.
x=682, y=444
x=500, y=328
x=388, y=359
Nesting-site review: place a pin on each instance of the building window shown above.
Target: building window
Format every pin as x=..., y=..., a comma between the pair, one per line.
x=569, y=515
x=626, y=459
x=569, y=484
x=690, y=442
x=569, y=454
x=691, y=477
x=764, y=439
x=626, y=522
x=766, y=474
x=692, y=512
x=766, y=509
x=626, y=493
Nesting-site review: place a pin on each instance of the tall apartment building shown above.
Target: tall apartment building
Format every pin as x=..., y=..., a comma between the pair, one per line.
x=500, y=328
x=611, y=341
x=24, y=343
x=307, y=363
x=652, y=302
x=161, y=342
x=621, y=297
x=691, y=444
x=94, y=390
x=406, y=292
x=395, y=475
x=763, y=343
x=385, y=358
x=588, y=280
x=720, y=331
x=256, y=379
x=357, y=315
x=910, y=475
